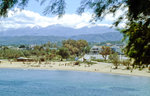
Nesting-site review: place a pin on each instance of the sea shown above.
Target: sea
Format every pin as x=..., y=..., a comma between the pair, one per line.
x=27, y=82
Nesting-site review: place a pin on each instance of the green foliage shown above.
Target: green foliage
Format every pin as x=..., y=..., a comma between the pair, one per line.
x=56, y=7
x=133, y=9
x=46, y=52
x=138, y=22
x=126, y=63
x=11, y=53
x=115, y=60
x=105, y=51
x=22, y=46
x=29, y=40
x=26, y=53
x=138, y=45
x=76, y=47
x=87, y=49
x=5, y=5
x=64, y=53
x=137, y=9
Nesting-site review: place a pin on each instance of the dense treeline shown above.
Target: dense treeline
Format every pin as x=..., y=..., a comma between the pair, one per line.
x=48, y=51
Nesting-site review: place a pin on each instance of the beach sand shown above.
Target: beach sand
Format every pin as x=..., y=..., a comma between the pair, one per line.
x=99, y=67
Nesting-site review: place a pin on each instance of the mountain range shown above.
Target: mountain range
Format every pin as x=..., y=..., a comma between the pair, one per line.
x=56, y=30
x=56, y=33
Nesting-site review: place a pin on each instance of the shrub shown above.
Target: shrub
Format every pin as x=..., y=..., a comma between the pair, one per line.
x=115, y=60
x=126, y=63
x=77, y=63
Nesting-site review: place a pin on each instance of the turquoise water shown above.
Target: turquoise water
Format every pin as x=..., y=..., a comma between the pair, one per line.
x=17, y=82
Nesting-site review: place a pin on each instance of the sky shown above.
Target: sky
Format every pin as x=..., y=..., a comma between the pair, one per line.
x=71, y=6
x=33, y=16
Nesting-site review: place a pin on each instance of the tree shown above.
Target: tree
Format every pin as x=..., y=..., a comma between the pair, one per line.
x=105, y=51
x=87, y=49
x=76, y=47
x=138, y=45
x=136, y=14
x=56, y=7
x=39, y=52
x=64, y=52
x=115, y=60
x=82, y=45
x=22, y=46
x=126, y=63
x=136, y=9
x=11, y=53
x=26, y=53
x=51, y=56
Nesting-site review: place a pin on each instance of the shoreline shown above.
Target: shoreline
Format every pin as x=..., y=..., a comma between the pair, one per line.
x=99, y=68
x=121, y=74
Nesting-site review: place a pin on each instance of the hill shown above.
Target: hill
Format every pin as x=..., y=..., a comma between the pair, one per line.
x=17, y=40
x=111, y=36
x=56, y=30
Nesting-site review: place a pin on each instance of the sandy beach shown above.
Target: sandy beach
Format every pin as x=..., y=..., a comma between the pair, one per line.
x=99, y=67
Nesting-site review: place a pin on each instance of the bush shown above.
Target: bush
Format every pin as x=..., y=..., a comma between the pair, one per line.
x=64, y=53
x=126, y=63
x=77, y=63
x=115, y=60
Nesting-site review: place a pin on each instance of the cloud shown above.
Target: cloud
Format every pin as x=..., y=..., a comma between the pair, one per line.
x=26, y=18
